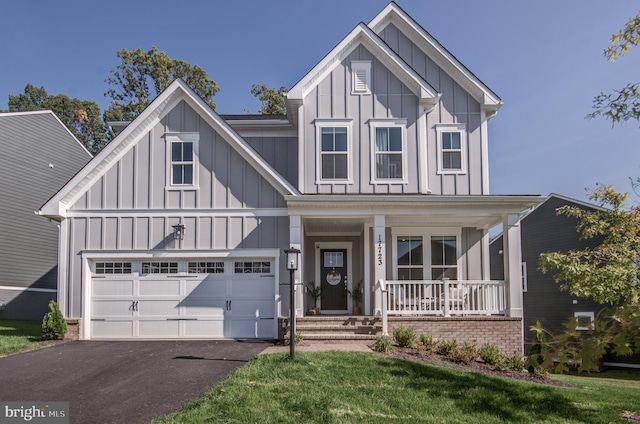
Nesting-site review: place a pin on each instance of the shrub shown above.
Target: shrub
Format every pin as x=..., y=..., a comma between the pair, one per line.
x=297, y=339
x=490, y=354
x=405, y=337
x=54, y=326
x=427, y=344
x=383, y=344
x=514, y=362
x=445, y=347
x=465, y=354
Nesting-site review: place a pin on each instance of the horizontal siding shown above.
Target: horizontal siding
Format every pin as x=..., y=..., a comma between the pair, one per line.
x=30, y=142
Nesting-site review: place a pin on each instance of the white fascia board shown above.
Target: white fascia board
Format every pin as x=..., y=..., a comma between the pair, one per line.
x=393, y=14
x=341, y=205
x=362, y=34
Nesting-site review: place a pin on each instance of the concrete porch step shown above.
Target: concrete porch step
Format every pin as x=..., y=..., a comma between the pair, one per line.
x=338, y=327
x=333, y=336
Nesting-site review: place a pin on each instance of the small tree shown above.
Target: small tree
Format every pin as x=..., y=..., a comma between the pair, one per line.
x=54, y=326
x=607, y=273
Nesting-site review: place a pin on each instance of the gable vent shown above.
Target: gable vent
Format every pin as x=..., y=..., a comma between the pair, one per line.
x=361, y=77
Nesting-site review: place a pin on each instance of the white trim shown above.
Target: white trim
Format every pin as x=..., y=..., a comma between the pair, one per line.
x=374, y=124
x=63, y=266
x=175, y=213
x=591, y=316
x=301, y=149
x=335, y=245
x=484, y=146
x=452, y=128
x=334, y=123
x=426, y=233
x=361, y=66
x=423, y=156
x=171, y=138
x=28, y=289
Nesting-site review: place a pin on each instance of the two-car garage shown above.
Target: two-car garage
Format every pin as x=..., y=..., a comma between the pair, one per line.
x=183, y=298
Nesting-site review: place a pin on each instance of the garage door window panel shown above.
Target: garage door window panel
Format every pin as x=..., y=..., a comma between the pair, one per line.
x=160, y=268
x=252, y=267
x=113, y=268
x=206, y=267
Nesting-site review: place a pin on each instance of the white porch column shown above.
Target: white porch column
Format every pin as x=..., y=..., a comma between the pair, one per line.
x=379, y=259
x=512, y=251
x=295, y=241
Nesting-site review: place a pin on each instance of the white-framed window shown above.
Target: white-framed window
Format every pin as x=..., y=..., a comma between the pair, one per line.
x=113, y=268
x=360, y=77
x=452, y=142
x=159, y=267
x=444, y=257
x=206, y=267
x=182, y=161
x=334, y=151
x=251, y=267
x=585, y=320
x=410, y=257
x=426, y=253
x=388, y=140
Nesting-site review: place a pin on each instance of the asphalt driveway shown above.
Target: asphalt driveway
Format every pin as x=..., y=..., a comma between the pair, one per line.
x=121, y=381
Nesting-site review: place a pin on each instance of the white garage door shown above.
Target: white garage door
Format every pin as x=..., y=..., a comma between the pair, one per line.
x=184, y=299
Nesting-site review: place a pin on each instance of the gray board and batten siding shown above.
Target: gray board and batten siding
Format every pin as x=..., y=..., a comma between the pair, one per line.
x=130, y=209
x=391, y=99
x=39, y=155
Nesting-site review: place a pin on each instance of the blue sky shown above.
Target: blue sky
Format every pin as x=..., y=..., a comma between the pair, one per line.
x=543, y=58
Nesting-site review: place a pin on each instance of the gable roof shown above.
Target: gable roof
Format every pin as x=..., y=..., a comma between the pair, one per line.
x=36, y=123
x=178, y=91
x=363, y=35
x=393, y=14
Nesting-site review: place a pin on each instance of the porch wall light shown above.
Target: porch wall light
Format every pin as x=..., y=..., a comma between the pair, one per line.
x=178, y=231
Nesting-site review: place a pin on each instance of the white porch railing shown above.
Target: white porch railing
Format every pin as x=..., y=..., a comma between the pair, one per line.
x=442, y=297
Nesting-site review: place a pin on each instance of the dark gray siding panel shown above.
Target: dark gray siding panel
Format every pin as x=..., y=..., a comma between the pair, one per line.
x=30, y=143
x=545, y=231
x=27, y=305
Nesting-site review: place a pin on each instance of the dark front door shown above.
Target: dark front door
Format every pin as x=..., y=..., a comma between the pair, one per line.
x=333, y=279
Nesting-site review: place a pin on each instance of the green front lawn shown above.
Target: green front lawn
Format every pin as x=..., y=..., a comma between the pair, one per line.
x=345, y=387
x=18, y=336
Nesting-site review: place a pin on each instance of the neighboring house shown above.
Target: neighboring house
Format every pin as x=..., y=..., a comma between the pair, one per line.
x=39, y=155
x=378, y=174
x=544, y=230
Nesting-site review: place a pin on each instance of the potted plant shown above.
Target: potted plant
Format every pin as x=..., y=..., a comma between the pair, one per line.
x=356, y=295
x=315, y=292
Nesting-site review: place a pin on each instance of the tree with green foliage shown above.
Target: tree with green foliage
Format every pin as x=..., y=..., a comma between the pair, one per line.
x=141, y=76
x=273, y=101
x=81, y=117
x=607, y=273
x=623, y=104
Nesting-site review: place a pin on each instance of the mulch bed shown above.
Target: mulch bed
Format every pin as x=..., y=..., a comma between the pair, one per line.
x=414, y=355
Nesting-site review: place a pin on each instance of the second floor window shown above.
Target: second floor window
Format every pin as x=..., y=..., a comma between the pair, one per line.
x=334, y=153
x=451, y=151
x=181, y=163
x=388, y=153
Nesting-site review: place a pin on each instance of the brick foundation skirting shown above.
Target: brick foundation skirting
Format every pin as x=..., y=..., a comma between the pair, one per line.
x=73, y=329
x=504, y=332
